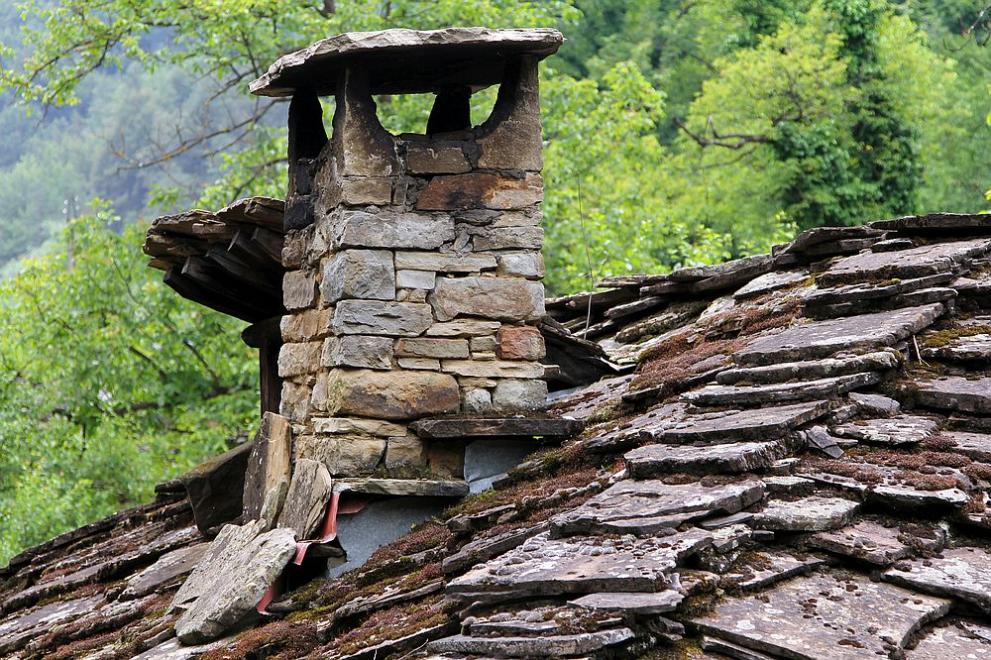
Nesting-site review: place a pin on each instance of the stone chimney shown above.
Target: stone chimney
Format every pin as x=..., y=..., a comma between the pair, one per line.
x=413, y=263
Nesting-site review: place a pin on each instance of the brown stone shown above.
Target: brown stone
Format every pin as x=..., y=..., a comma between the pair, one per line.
x=299, y=289
x=493, y=368
x=405, y=452
x=299, y=359
x=432, y=348
x=359, y=351
x=266, y=480
x=343, y=455
x=363, y=190
x=306, y=502
x=391, y=394
x=480, y=189
x=435, y=158
x=508, y=299
x=307, y=325
x=295, y=401
x=520, y=342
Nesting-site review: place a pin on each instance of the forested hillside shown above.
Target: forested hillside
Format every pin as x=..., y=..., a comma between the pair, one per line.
x=677, y=132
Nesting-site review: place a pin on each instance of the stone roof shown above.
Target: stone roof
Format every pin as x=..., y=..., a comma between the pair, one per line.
x=796, y=465
x=401, y=61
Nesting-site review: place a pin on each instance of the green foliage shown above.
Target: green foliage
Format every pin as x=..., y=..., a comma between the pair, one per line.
x=109, y=383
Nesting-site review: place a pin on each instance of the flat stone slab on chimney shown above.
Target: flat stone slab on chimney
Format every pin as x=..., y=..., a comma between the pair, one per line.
x=497, y=427
x=403, y=487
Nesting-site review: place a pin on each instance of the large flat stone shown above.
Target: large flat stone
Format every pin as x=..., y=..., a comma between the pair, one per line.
x=809, y=514
x=168, y=568
x=875, y=543
x=546, y=646
x=648, y=507
x=807, y=370
x=655, y=460
x=954, y=393
x=392, y=395
x=970, y=642
x=380, y=317
x=832, y=615
x=445, y=262
x=500, y=298
x=963, y=573
x=403, y=487
x=973, y=445
x=824, y=338
x=542, y=566
x=266, y=481
x=643, y=604
x=760, y=424
x=232, y=592
x=306, y=502
x=221, y=554
x=392, y=230
x=748, y=395
x=499, y=427
x=904, y=264
x=760, y=570
x=892, y=431
x=768, y=282
x=936, y=223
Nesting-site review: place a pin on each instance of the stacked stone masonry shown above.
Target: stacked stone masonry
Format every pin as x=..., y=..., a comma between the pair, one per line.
x=413, y=282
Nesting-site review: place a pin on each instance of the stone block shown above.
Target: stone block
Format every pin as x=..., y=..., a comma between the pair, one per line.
x=398, y=319
x=299, y=289
x=463, y=328
x=342, y=455
x=266, y=480
x=366, y=274
x=493, y=368
x=476, y=400
x=487, y=344
x=299, y=359
x=481, y=189
x=357, y=425
x=507, y=238
x=318, y=395
x=405, y=452
x=445, y=262
x=508, y=299
x=432, y=348
x=521, y=264
x=294, y=247
x=415, y=279
x=306, y=503
x=392, y=230
x=435, y=158
x=520, y=342
x=429, y=364
x=360, y=351
x=524, y=218
x=307, y=325
x=391, y=395
x=295, y=400
x=512, y=394
x=364, y=190
x=445, y=460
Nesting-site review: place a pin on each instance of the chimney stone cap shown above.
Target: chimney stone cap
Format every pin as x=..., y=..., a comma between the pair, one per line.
x=401, y=61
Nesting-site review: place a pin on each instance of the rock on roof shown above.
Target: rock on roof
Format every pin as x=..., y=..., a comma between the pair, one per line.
x=797, y=466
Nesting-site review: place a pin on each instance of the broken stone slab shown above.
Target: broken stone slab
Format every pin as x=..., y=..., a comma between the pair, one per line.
x=165, y=570
x=812, y=369
x=15, y=632
x=773, y=281
x=759, y=424
x=831, y=615
x=971, y=641
x=867, y=293
x=403, y=487
x=875, y=404
x=818, y=438
x=638, y=604
x=892, y=431
x=342, y=454
x=306, y=502
x=809, y=514
x=877, y=544
x=724, y=649
x=963, y=573
x=649, y=507
x=550, y=646
x=693, y=274
x=905, y=264
x=976, y=446
x=219, y=557
x=232, y=593
x=391, y=395
x=907, y=497
x=818, y=236
x=485, y=548
x=655, y=460
x=499, y=298
x=381, y=317
x=748, y=395
x=542, y=566
x=216, y=487
x=760, y=570
x=945, y=295
x=722, y=522
x=173, y=649
x=969, y=348
x=820, y=339
x=540, y=621
x=266, y=480
x=955, y=393
x=499, y=427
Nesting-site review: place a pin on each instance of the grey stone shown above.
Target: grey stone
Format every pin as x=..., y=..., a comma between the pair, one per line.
x=824, y=338
x=512, y=394
x=724, y=649
x=445, y=262
x=231, y=593
x=357, y=425
x=428, y=364
x=861, y=295
x=393, y=395
x=399, y=319
x=809, y=514
x=904, y=264
x=173, y=649
x=477, y=400
x=435, y=158
x=348, y=455
x=493, y=368
x=508, y=238
x=893, y=431
x=359, y=351
x=168, y=568
x=972, y=445
x=483, y=548
x=432, y=348
x=831, y=615
x=415, y=279
x=735, y=395
x=648, y=507
x=773, y=281
x=811, y=369
x=307, y=325
x=733, y=520
x=463, y=328
x=963, y=573
x=934, y=222
x=403, y=487
x=762, y=424
x=909, y=497
x=547, y=646
x=968, y=348
x=306, y=502
x=655, y=460
x=299, y=289
x=817, y=437
x=875, y=404
x=874, y=543
x=508, y=299
x=420, y=231
x=299, y=359
x=761, y=570
x=366, y=274
x=266, y=480
x=955, y=393
x=641, y=604
x=972, y=642
x=528, y=264
x=542, y=566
